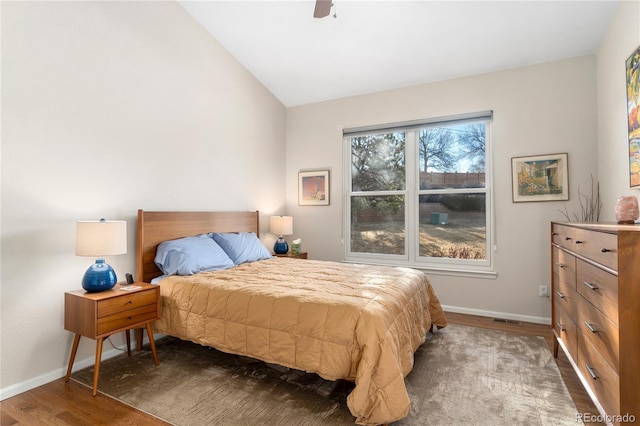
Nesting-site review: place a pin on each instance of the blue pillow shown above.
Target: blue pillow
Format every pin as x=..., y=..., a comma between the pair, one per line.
x=242, y=247
x=190, y=255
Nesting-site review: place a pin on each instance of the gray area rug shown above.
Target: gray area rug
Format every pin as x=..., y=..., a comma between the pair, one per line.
x=462, y=376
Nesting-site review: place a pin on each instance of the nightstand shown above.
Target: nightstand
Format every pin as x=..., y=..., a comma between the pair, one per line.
x=99, y=315
x=301, y=255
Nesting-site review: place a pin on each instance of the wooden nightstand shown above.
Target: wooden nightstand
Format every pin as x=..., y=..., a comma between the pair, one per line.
x=99, y=315
x=301, y=255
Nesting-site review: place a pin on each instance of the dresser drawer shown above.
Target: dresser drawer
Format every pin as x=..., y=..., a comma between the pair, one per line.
x=600, y=247
x=562, y=235
x=566, y=297
x=129, y=301
x=566, y=329
x=599, y=287
x=600, y=331
x=564, y=264
x=126, y=319
x=606, y=383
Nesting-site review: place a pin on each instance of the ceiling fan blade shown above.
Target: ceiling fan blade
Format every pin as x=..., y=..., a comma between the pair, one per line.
x=323, y=8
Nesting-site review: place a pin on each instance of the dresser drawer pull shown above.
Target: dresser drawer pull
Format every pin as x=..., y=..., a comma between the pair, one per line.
x=605, y=250
x=560, y=326
x=554, y=234
x=591, y=286
x=592, y=372
x=579, y=242
x=560, y=295
x=560, y=265
x=567, y=238
x=129, y=302
x=591, y=327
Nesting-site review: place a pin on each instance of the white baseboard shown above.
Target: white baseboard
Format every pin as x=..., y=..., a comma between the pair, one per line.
x=494, y=314
x=58, y=373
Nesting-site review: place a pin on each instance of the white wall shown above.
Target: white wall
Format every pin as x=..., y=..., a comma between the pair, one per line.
x=108, y=107
x=540, y=109
x=622, y=38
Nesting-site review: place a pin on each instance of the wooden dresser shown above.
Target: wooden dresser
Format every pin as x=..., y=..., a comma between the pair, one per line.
x=596, y=311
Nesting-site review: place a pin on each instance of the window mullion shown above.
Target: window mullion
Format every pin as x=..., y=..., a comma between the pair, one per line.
x=412, y=179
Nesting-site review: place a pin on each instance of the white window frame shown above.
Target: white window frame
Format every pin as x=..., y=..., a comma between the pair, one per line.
x=411, y=258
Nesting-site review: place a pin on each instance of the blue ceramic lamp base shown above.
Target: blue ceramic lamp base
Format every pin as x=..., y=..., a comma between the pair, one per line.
x=281, y=246
x=99, y=277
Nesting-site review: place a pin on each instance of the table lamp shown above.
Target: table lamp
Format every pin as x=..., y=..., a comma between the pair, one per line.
x=281, y=225
x=99, y=238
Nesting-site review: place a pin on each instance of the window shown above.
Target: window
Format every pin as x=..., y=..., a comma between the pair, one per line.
x=419, y=194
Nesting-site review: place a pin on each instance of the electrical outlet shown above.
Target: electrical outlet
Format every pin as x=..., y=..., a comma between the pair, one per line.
x=543, y=291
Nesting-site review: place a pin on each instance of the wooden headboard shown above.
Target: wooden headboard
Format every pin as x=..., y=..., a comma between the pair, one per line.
x=156, y=227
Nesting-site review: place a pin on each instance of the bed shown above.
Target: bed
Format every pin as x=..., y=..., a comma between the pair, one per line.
x=341, y=321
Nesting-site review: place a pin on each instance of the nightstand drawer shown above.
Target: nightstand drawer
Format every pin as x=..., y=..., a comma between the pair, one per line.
x=126, y=319
x=126, y=302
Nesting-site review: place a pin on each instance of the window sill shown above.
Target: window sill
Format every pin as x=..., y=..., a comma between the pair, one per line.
x=470, y=273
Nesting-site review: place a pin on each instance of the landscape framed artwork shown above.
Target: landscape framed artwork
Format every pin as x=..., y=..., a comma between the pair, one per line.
x=633, y=120
x=540, y=178
x=313, y=188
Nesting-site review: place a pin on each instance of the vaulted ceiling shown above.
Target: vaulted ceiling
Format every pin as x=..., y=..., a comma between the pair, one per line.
x=367, y=46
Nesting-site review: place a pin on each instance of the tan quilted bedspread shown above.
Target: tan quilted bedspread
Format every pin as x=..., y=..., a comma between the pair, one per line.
x=342, y=321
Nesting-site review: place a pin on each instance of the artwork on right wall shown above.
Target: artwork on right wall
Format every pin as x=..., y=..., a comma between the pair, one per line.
x=633, y=120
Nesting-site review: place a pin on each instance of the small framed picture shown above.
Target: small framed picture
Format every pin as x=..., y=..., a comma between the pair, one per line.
x=540, y=178
x=313, y=188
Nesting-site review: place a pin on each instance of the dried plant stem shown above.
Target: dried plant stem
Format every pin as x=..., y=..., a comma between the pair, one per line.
x=590, y=205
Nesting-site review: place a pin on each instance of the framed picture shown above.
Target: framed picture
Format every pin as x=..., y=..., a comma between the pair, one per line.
x=313, y=188
x=540, y=178
x=633, y=120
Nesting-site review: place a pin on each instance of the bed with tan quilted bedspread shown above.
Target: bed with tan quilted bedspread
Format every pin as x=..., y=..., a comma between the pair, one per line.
x=342, y=321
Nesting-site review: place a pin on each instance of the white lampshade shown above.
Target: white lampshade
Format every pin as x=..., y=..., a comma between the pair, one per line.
x=281, y=225
x=97, y=238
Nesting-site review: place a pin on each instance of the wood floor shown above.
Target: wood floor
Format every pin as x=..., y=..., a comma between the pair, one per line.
x=60, y=403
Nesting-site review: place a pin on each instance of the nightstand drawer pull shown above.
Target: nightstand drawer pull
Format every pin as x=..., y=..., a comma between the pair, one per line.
x=560, y=295
x=591, y=327
x=605, y=250
x=129, y=302
x=592, y=372
x=579, y=242
x=560, y=265
x=591, y=286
